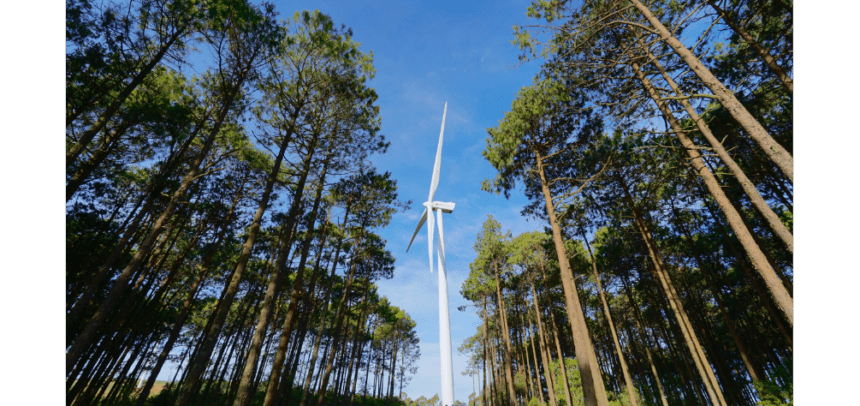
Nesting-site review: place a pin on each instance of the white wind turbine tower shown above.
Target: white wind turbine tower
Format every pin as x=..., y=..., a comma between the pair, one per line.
x=444, y=323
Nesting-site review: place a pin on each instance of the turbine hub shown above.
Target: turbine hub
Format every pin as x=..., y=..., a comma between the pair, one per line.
x=447, y=207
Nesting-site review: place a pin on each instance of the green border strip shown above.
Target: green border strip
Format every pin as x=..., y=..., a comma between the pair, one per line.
x=31, y=223
x=827, y=143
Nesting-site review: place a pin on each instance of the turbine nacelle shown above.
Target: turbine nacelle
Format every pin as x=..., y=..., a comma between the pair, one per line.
x=446, y=207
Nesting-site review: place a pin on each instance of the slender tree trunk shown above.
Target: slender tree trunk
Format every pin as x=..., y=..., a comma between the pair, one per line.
x=286, y=386
x=197, y=364
x=394, y=352
x=339, y=323
x=312, y=363
x=358, y=323
x=277, y=363
x=644, y=337
x=765, y=298
x=754, y=252
x=528, y=364
x=494, y=392
x=109, y=112
x=120, y=286
x=594, y=393
x=699, y=358
x=486, y=354
x=565, y=383
x=503, y=326
x=243, y=397
x=773, y=221
x=721, y=307
x=544, y=352
x=537, y=384
x=628, y=381
x=358, y=363
x=769, y=60
x=727, y=99
x=171, y=340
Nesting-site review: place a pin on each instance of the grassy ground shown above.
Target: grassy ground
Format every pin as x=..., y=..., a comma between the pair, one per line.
x=157, y=387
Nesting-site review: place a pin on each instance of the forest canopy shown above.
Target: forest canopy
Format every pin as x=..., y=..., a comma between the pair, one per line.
x=225, y=220
x=655, y=145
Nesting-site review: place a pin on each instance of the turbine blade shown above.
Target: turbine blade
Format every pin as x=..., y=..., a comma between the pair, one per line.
x=430, y=236
x=420, y=223
x=437, y=165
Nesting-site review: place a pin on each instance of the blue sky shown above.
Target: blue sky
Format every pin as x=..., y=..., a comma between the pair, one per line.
x=428, y=53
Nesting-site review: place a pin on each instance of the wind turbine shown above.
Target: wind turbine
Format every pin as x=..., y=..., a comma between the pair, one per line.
x=444, y=324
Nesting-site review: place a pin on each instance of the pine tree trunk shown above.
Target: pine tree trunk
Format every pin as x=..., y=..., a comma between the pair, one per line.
x=769, y=60
x=503, y=325
x=763, y=296
x=120, y=286
x=109, y=112
x=545, y=357
x=197, y=364
x=727, y=99
x=527, y=362
x=243, y=397
x=721, y=307
x=628, y=381
x=358, y=324
x=312, y=363
x=486, y=353
x=773, y=221
x=594, y=393
x=698, y=355
x=754, y=252
x=554, y=333
x=644, y=337
x=174, y=334
x=538, y=386
x=339, y=324
x=286, y=386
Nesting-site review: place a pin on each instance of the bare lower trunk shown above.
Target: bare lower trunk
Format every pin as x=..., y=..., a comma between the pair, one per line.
x=538, y=386
x=594, y=393
x=544, y=352
x=565, y=383
x=503, y=326
x=243, y=397
x=695, y=348
x=646, y=343
x=721, y=306
x=628, y=381
x=174, y=334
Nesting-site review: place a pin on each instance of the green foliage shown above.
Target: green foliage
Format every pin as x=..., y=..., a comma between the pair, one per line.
x=510, y=144
x=772, y=394
x=570, y=372
x=535, y=402
x=520, y=384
